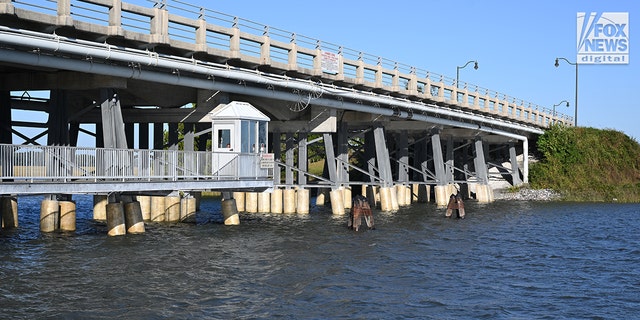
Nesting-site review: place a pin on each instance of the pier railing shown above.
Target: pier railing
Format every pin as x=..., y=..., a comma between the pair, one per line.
x=30, y=163
x=198, y=30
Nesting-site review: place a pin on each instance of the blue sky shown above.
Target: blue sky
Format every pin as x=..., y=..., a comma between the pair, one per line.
x=514, y=42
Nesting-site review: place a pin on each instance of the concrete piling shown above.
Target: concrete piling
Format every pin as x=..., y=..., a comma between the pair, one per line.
x=303, y=201
x=322, y=196
x=100, y=207
x=276, y=201
x=145, y=207
x=157, y=209
x=133, y=217
x=9, y=209
x=264, y=202
x=251, y=202
x=67, y=215
x=442, y=197
x=346, y=197
x=289, y=201
x=188, y=210
x=172, y=208
x=49, y=215
x=115, y=219
x=337, y=202
x=240, y=200
x=230, y=212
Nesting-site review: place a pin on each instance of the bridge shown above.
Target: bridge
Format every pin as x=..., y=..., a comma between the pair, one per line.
x=397, y=133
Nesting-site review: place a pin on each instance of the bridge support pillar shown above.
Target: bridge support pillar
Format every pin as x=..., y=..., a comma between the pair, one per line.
x=289, y=203
x=145, y=207
x=49, y=214
x=115, y=219
x=230, y=212
x=239, y=196
x=346, y=196
x=441, y=190
x=100, y=207
x=67, y=215
x=402, y=152
x=515, y=170
x=386, y=201
x=276, y=200
x=302, y=206
x=157, y=209
x=337, y=202
x=321, y=198
x=371, y=193
x=9, y=212
x=133, y=217
x=251, y=202
x=188, y=209
x=441, y=195
x=172, y=208
x=264, y=202
x=388, y=196
x=484, y=193
x=112, y=123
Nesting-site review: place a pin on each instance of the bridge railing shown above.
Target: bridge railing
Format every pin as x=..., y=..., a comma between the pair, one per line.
x=197, y=29
x=67, y=164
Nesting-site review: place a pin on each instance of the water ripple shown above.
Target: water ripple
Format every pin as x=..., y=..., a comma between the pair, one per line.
x=505, y=261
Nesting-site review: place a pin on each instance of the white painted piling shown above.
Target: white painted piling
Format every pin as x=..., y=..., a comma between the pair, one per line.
x=264, y=202
x=302, y=206
x=251, y=202
x=276, y=201
x=289, y=201
x=337, y=202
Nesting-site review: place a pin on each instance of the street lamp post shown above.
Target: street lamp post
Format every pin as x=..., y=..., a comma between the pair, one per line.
x=575, y=103
x=475, y=66
x=557, y=104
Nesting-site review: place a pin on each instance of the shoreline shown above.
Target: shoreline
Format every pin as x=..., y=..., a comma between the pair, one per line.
x=525, y=194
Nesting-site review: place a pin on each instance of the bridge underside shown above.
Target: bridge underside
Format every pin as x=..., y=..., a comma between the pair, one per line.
x=427, y=141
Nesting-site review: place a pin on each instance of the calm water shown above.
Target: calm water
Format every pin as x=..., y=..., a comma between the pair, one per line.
x=507, y=260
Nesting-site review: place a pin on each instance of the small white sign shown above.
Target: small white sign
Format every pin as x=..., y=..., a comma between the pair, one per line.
x=603, y=38
x=267, y=161
x=330, y=62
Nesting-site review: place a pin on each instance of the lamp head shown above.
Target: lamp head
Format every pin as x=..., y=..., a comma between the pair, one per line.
x=557, y=64
x=475, y=66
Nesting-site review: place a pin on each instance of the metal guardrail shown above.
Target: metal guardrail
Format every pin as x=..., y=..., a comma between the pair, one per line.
x=202, y=29
x=75, y=164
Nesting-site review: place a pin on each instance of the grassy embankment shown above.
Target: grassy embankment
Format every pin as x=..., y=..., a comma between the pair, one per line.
x=587, y=164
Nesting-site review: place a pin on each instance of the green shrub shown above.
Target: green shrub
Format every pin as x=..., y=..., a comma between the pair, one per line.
x=588, y=164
